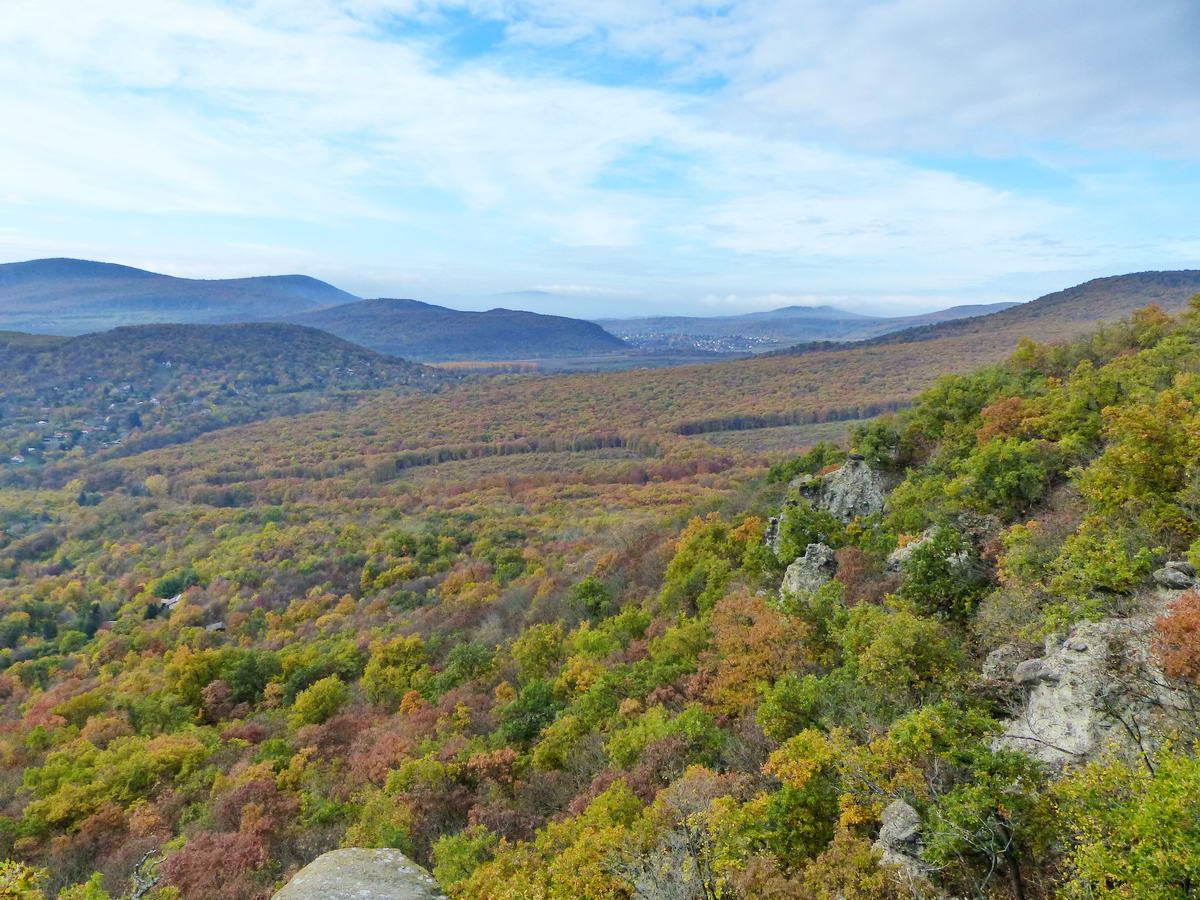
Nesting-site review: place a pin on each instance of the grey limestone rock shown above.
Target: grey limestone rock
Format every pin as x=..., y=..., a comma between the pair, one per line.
x=1175, y=577
x=1001, y=663
x=853, y=490
x=899, y=841
x=811, y=571
x=1078, y=694
x=900, y=828
x=773, y=535
x=357, y=874
x=1034, y=671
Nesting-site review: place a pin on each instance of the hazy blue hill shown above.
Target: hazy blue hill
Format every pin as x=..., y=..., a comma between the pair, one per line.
x=1057, y=315
x=74, y=296
x=36, y=271
x=808, y=312
x=777, y=327
x=423, y=331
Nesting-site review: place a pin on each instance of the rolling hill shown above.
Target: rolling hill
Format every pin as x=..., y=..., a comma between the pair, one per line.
x=423, y=331
x=495, y=607
x=141, y=386
x=774, y=328
x=677, y=413
x=1055, y=316
x=76, y=296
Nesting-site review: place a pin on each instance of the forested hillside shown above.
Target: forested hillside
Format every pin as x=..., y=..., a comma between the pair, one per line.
x=129, y=389
x=1053, y=316
x=74, y=296
x=532, y=633
x=427, y=332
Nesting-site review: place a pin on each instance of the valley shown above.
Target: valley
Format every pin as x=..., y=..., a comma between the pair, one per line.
x=641, y=450
x=321, y=596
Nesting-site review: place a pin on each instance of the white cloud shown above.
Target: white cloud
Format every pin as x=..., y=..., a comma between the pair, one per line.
x=312, y=111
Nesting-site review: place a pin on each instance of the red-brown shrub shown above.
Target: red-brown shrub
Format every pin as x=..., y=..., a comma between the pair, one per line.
x=218, y=867
x=1177, y=638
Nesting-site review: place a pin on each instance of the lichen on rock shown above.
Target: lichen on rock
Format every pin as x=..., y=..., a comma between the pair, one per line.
x=854, y=490
x=810, y=572
x=1095, y=688
x=359, y=874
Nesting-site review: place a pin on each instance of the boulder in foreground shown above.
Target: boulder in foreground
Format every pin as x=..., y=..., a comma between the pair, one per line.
x=357, y=874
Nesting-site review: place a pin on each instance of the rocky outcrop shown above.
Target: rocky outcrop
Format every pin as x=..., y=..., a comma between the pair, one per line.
x=1001, y=663
x=899, y=841
x=1176, y=575
x=1093, y=689
x=356, y=874
x=898, y=557
x=853, y=490
x=1063, y=719
x=811, y=571
x=774, y=533
x=1098, y=687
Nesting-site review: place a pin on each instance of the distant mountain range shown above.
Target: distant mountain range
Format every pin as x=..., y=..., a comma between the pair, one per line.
x=774, y=328
x=72, y=296
x=423, y=331
x=75, y=296
x=1059, y=315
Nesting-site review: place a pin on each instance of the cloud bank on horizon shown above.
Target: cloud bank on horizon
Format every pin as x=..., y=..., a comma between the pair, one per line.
x=623, y=156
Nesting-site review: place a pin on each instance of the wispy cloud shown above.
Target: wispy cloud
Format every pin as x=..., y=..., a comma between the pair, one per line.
x=653, y=148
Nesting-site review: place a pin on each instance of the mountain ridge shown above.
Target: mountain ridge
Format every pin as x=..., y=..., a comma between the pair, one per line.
x=1089, y=301
x=424, y=331
x=777, y=328
x=70, y=296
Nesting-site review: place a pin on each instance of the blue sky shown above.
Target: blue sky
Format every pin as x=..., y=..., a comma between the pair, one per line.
x=623, y=156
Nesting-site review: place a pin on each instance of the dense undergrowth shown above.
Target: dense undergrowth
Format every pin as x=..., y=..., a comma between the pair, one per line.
x=588, y=687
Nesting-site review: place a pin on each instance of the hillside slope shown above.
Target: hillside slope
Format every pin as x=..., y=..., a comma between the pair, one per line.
x=1054, y=316
x=146, y=385
x=423, y=331
x=74, y=296
x=772, y=328
x=532, y=634
x=673, y=410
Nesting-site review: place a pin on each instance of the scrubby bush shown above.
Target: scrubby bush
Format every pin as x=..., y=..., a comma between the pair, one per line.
x=319, y=702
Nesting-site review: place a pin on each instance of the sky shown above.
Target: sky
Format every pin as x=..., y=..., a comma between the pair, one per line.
x=609, y=157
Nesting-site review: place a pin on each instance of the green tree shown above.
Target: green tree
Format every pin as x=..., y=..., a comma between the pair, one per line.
x=805, y=524
x=591, y=597
x=1135, y=833
x=319, y=702
x=942, y=575
x=391, y=672
x=1005, y=476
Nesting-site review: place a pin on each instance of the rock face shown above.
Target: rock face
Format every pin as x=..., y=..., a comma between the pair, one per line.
x=1001, y=663
x=1176, y=575
x=811, y=571
x=357, y=874
x=853, y=490
x=899, y=840
x=1099, y=687
x=1085, y=686
x=773, y=534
